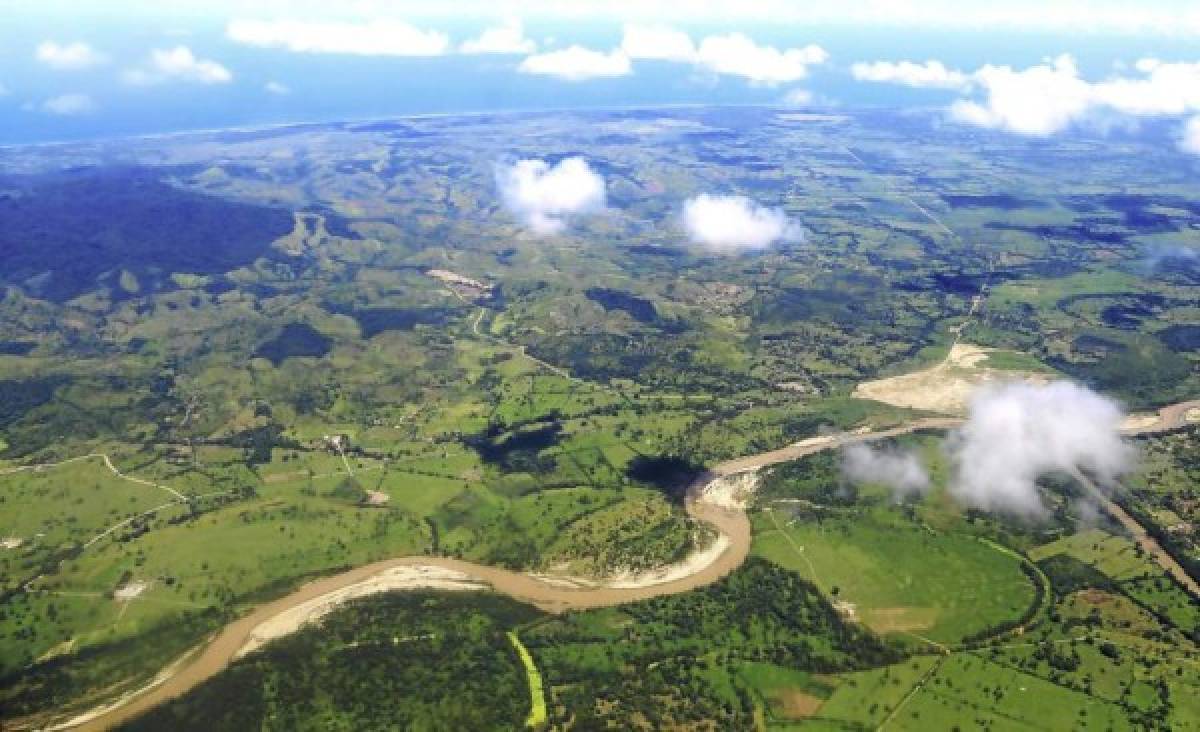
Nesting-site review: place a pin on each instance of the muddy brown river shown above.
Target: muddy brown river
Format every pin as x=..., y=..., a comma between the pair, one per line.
x=213, y=657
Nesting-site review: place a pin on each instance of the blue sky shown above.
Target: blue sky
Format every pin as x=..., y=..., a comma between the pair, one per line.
x=80, y=70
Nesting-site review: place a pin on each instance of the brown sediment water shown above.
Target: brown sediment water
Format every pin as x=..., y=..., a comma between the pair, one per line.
x=217, y=654
x=555, y=597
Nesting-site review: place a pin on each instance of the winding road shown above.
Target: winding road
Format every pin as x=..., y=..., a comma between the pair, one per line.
x=542, y=592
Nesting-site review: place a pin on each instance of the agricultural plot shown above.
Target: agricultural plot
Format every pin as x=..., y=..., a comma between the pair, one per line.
x=898, y=577
x=57, y=510
x=868, y=698
x=502, y=421
x=1123, y=564
x=971, y=688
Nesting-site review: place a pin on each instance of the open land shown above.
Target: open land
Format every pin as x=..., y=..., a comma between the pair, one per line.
x=219, y=424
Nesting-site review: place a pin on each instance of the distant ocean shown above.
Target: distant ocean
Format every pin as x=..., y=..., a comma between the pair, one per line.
x=324, y=88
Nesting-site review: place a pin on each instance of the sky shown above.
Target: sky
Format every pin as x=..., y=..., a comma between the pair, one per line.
x=81, y=69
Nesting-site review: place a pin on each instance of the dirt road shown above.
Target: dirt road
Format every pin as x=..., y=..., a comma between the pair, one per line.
x=1170, y=417
x=554, y=597
x=1148, y=543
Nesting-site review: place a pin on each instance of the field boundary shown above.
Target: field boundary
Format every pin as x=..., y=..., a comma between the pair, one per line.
x=733, y=522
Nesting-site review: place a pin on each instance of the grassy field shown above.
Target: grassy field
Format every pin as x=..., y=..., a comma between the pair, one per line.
x=537, y=694
x=1134, y=573
x=48, y=512
x=867, y=698
x=900, y=577
x=499, y=423
x=291, y=513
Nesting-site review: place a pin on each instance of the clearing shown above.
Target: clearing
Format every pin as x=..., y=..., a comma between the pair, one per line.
x=947, y=386
x=537, y=695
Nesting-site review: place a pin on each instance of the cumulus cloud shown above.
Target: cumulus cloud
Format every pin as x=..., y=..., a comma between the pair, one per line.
x=732, y=54
x=899, y=470
x=1173, y=18
x=1016, y=433
x=576, y=63
x=178, y=64
x=657, y=43
x=1164, y=89
x=736, y=54
x=68, y=56
x=377, y=37
x=277, y=88
x=732, y=223
x=1051, y=96
x=69, y=105
x=544, y=197
x=1040, y=100
x=1190, y=141
x=931, y=74
x=508, y=37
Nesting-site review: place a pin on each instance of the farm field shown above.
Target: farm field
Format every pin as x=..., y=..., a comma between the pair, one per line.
x=900, y=578
x=354, y=352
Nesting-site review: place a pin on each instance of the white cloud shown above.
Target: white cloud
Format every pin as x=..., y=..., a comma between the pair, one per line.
x=506, y=38
x=545, y=197
x=276, y=88
x=1177, y=18
x=657, y=43
x=1051, y=96
x=1073, y=18
x=731, y=223
x=68, y=56
x=68, y=105
x=931, y=74
x=901, y=471
x=1040, y=100
x=178, y=64
x=1166, y=89
x=736, y=54
x=1016, y=433
x=733, y=54
x=1190, y=142
x=576, y=63
x=378, y=37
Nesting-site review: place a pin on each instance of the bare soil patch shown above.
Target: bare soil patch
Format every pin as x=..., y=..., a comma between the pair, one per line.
x=1093, y=596
x=131, y=590
x=901, y=619
x=945, y=387
x=796, y=704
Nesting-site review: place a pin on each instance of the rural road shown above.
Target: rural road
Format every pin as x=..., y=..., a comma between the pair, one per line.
x=1148, y=543
x=553, y=597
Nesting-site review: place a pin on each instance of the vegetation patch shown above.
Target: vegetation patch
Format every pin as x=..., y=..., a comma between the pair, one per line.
x=899, y=576
x=295, y=340
x=537, y=693
x=407, y=660
x=670, y=474
x=19, y=397
x=678, y=660
x=78, y=225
